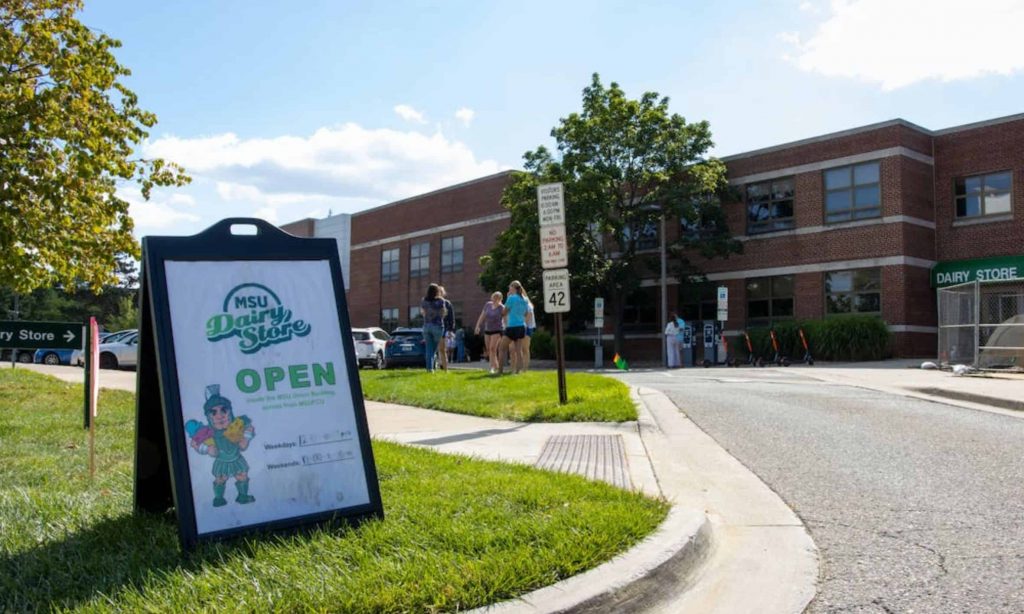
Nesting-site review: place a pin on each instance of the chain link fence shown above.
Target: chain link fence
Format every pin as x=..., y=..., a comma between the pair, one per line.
x=982, y=324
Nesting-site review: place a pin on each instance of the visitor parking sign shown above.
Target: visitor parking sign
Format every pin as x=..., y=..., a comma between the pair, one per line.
x=260, y=399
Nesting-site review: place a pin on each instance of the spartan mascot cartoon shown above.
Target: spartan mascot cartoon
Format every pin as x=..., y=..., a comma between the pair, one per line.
x=224, y=437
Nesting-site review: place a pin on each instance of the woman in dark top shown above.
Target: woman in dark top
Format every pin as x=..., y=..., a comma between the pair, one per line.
x=433, y=311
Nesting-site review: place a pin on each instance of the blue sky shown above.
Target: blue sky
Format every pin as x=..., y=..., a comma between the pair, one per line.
x=289, y=110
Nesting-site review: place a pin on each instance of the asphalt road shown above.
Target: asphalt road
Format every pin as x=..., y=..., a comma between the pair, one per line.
x=915, y=506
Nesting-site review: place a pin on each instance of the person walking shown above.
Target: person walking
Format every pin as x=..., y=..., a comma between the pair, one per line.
x=490, y=320
x=448, y=324
x=433, y=311
x=515, y=312
x=672, y=342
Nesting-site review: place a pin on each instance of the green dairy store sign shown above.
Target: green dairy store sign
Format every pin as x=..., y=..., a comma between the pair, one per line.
x=956, y=272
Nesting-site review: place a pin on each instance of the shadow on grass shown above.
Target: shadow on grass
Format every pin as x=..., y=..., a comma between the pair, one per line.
x=104, y=558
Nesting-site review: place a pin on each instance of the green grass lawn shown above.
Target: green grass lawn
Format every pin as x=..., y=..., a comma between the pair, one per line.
x=526, y=397
x=457, y=533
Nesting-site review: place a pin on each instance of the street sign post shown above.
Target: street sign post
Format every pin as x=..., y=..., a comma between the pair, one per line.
x=599, y=325
x=723, y=303
x=554, y=254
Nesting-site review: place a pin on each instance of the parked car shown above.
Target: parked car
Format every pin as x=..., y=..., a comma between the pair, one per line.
x=370, y=346
x=109, y=337
x=122, y=352
x=52, y=357
x=22, y=355
x=406, y=347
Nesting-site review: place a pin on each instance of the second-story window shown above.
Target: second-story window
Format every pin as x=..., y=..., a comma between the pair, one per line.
x=770, y=205
x=389, y=266
x=644, y=235
x=451, y=255
x=983, y=195
x=852, y=193
x=419, y=260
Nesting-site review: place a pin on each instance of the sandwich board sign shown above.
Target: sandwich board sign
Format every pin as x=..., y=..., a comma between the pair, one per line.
x=249, y=411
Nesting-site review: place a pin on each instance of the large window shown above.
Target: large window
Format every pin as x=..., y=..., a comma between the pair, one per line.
x=857, y=291
x=419, y=260
x=641, y=312
x=852, y=193
x=389, y=266
x=389, y=318
x=770, y=206
x=415, y=317
x=451, y=255
x=983, y=195
x=645, y=235
x=769, y=299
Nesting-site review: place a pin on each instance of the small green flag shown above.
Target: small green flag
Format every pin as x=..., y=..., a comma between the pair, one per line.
x=620, y=362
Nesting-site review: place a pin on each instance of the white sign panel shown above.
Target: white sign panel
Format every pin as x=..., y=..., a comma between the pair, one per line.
x=556, y=291
x=554, y=252
x=723, y=298
x=723, y=315
x=598, y=322
x=266, y=404
x=550, y=205
x=598, y=307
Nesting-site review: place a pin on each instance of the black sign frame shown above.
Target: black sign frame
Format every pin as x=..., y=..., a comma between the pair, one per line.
x=161, y=476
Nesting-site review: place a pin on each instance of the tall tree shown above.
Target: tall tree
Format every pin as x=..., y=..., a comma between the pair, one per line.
x=625, y=165
x=68, y=131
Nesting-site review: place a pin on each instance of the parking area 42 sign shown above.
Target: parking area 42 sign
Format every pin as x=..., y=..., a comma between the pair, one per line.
x=556, y=291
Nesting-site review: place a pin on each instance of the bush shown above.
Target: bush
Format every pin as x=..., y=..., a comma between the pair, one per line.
x=542, y=346
x=850, y=337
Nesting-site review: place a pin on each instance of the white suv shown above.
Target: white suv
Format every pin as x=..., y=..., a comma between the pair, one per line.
x=370, y=344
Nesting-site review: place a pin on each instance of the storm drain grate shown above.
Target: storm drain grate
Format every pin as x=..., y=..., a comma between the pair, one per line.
x=598, y=457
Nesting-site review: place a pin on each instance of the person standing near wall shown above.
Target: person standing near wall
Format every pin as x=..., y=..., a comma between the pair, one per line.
x=448, y=324
x=531, y=325
x=672, y=342
x=490, y=320
x=460, y=345
x=433, y=311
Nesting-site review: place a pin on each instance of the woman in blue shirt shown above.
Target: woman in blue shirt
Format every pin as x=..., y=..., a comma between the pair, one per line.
x=516, y=305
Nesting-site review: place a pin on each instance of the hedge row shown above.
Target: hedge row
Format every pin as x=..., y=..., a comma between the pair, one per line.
x=851, y=337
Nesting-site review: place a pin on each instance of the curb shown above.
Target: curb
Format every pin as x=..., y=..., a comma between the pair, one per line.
x=972, y=398
x=634, y=580
x=630, y=581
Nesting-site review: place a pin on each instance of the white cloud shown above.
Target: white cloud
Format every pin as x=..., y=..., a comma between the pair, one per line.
x=159, y=212
x=791, y=38
x=896, y=43
x=343, y=169
x=410, y=114
x=808, y=7
x=465, y=115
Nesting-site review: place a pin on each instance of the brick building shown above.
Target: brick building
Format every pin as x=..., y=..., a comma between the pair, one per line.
x=853, y=221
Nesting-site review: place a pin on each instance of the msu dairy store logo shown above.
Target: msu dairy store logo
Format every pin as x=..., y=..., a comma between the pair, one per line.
x=254, y=314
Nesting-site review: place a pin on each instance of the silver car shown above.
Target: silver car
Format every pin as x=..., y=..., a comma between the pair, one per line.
x=122, y=352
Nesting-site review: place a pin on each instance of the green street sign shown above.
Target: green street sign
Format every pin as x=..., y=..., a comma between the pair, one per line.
x=39, y=335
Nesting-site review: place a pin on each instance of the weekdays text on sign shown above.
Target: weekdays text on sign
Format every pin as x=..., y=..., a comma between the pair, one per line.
x=550, y=204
